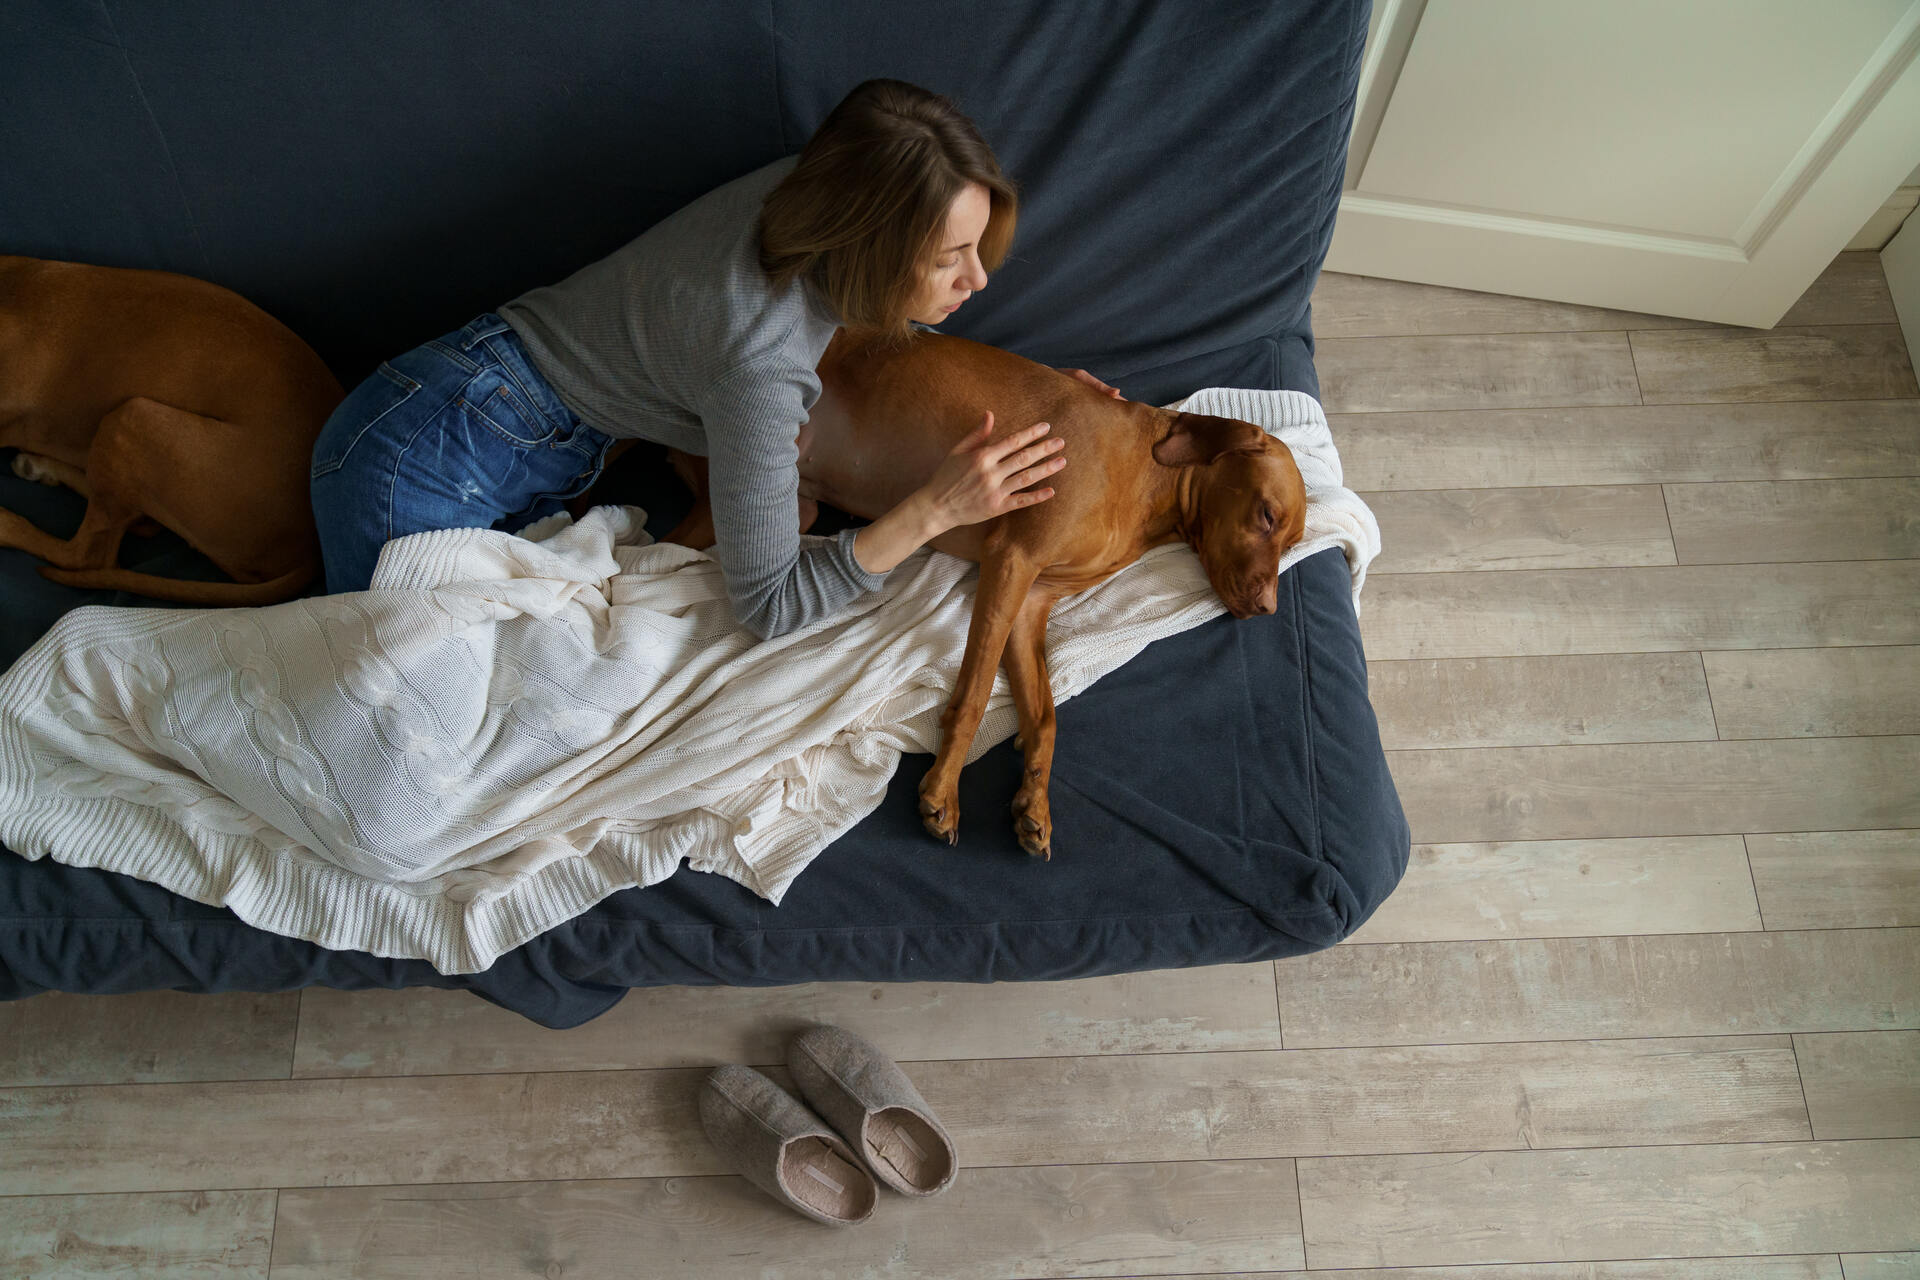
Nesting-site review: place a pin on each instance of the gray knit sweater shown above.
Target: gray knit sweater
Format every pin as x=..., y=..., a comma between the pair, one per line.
x=679, y=337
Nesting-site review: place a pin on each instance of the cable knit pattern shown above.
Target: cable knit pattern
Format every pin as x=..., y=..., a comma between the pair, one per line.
x=506, y=729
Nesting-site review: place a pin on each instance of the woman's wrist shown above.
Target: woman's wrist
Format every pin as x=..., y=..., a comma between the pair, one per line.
x=899, y=533
x=928, y=519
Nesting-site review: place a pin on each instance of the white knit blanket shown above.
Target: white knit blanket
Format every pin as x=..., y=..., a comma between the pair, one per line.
x=506, y=729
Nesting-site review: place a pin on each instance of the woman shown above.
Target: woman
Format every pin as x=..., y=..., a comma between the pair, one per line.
x=703, y=334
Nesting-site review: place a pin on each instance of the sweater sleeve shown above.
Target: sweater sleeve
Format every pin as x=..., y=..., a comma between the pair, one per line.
x=777, y=579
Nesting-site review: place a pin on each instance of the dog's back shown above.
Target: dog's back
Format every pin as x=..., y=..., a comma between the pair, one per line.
x=76, y=340
x=168, y=400
x=888, y=415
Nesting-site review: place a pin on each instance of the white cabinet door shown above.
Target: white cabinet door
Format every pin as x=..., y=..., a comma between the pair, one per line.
x=1697, y=158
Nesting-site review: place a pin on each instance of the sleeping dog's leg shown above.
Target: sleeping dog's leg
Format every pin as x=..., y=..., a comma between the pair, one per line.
x=1026, y=663
x=51, y=471
x=127, y=455
x=1006, y=575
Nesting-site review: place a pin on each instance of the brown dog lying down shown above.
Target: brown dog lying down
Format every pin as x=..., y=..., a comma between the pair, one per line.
x=1140, y=476
x=164, y=399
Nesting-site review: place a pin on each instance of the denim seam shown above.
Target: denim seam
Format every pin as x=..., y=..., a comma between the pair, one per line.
x=526, y=393
x=479, y=411
x=397, y=378
x=593, y=460
x=592, y=464
x=432, y=420
x=454, y=354
x=412, y=389
x=493, y=329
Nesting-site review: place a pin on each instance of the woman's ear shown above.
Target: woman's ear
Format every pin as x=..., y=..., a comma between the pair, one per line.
x=1198, y=438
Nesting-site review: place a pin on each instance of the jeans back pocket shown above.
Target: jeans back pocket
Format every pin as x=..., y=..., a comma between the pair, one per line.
x=384, y=391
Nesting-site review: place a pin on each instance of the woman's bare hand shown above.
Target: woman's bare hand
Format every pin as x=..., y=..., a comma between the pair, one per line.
x=1093, y=382
x=982, y=478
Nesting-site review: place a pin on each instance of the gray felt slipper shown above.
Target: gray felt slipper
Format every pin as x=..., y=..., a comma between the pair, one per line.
x=783, y=1148
x=864, y=1094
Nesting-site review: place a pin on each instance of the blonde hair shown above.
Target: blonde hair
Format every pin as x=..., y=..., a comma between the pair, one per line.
x=863, y=212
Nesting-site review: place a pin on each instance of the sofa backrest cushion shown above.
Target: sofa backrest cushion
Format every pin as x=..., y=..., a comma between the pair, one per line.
x=377, y=175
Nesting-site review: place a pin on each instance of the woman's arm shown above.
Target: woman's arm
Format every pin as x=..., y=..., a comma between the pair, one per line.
x=776, y=579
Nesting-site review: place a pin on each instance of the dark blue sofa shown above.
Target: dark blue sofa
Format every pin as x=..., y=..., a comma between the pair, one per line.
x=376, y=175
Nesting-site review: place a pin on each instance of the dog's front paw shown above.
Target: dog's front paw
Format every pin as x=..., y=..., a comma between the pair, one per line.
x=1033, y=823
x=940, y=812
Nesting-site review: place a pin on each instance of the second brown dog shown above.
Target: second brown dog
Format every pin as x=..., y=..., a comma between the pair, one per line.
x=165, y=400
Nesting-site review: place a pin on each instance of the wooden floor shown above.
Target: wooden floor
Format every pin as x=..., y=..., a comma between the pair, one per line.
x=1645, y=643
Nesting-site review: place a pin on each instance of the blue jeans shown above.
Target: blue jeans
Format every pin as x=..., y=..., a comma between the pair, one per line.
x=460, y=432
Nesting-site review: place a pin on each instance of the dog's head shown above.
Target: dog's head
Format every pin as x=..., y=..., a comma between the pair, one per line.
x=1247, y=505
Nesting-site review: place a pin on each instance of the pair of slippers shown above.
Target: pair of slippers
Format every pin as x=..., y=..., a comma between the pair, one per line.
x=886, y=1133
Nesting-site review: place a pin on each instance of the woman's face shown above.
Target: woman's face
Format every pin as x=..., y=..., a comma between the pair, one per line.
x=956, y=273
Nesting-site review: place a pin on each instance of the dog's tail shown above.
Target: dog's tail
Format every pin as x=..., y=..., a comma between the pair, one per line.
x=186, y=591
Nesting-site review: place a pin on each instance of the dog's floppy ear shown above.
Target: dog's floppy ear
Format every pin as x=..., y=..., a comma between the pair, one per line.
x=1198, y=438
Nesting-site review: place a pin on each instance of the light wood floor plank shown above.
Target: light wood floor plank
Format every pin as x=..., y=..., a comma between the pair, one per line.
x=425, y=1031
x=1787, y=693
x=1782, y=520
x=1541, y=1206
x=483, y=1128
x=1659, y=789
x=1837, y=879
x=148, y=1037
x=1550, y=701
x=1499, y=371
x=1349, y=306
x=1881, y=1266
x=1555, y=988
x=1630, y=445
x=1529, y=612
x=1264, y=1105
x=1061, y=1220
x=193, y=1235
x=1824, y=1266
x=1862, y=1084
x=1443, y=530
x=1568, y=889
x=1126, y=1107
x=1852, y=290
x=1826, y=362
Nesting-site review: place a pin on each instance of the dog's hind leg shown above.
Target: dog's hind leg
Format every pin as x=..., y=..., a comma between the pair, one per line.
x=1005, y=579
x=96, y=543
x=136, y=448
x=93, y=545
x=55, y=473
x=1025, y=660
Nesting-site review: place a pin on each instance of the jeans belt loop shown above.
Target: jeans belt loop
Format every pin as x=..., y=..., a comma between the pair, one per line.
x=478, y=331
